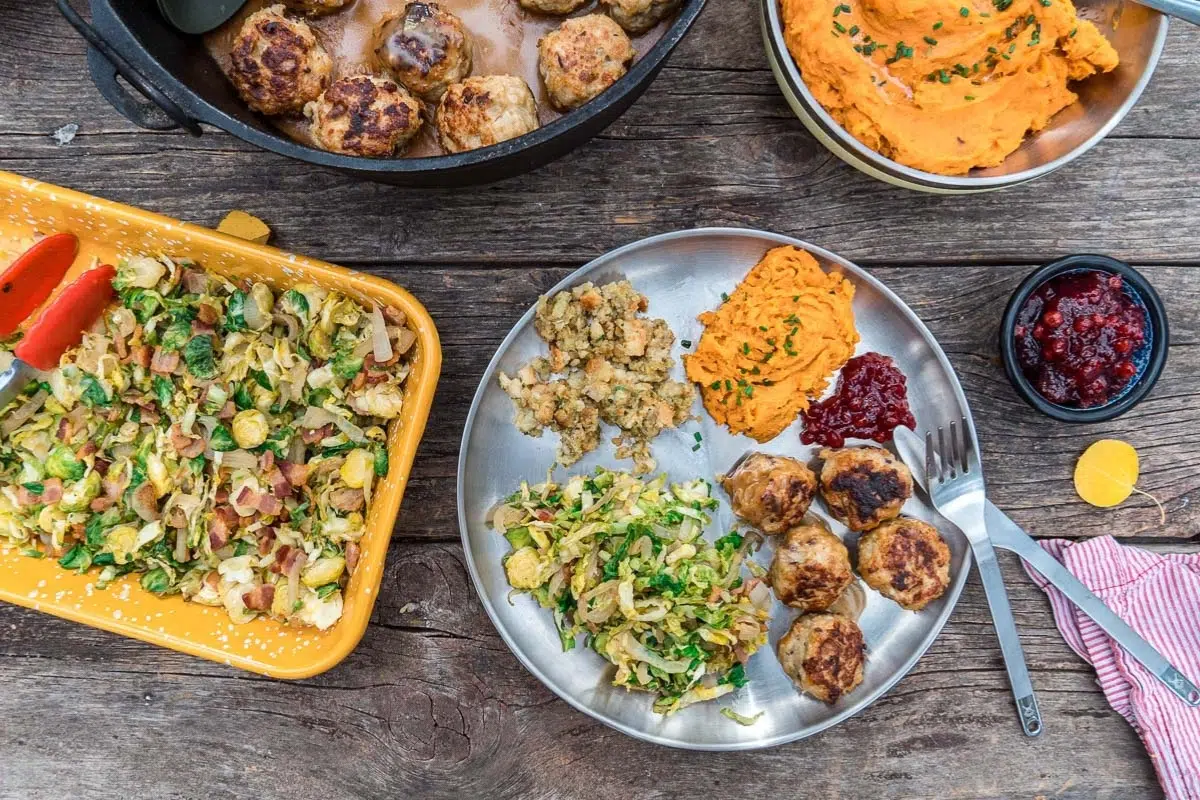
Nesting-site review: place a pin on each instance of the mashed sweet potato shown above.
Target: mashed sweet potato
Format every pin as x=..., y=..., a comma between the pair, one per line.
x=774, y=344
x=943, y=85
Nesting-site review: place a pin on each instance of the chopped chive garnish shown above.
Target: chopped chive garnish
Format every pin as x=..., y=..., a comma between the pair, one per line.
x=840, y=27
x=686, y=342
x=937, y=25
x=745, y=348
x=854, y=30
x=695, y=447
x=715, y=385
x=964, y=12
x=699, y=438
x=929, y=40
x=724, y=297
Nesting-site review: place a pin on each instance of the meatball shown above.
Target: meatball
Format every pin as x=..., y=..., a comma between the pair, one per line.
x=581, y=58
x=772, y=493
x=864, y=486
x=316, y=8
x=823, y=654
x=277, y=64
x=485, y=110
x=907, y=560
x=811, y=569
x=639, y=16
x=364, y=115
x=553, y=6
x=423, y=47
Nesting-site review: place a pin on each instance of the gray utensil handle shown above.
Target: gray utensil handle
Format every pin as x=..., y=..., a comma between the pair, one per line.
x=1186, y=10
x=1007, y=534
x=14, y=380
x=1010, y=642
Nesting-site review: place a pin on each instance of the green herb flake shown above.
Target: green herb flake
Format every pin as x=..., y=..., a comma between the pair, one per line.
x=929, y=40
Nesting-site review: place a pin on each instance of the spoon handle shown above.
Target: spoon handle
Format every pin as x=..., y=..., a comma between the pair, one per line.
x=1186, y=10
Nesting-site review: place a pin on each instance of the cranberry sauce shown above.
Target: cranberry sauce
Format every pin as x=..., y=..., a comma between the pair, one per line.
x=871, y=399
x=1080, y=337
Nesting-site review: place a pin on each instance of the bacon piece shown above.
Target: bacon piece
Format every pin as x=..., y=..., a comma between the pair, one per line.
x=266, y=460
x=145, y=502
x=347, y=499
x=164, y=362
x=26, y=497
x=266, y=540
x=376, y=377
x=207, y=314
x=102, y=465
x=352, y=553
x=64, y=429
x=314, y=435
x=212, y=579
x=281, y=555
x=269, y=505
x=218, y=533
x=228, y=411
x=246, y=497
x=228, y=514
x=186, y=446
x=52, y=490
x=221, y=495
x=121, y=346
x=86, y=449
x=202, y=328
x=176, y=517
x=148, y=414
x=279, y=484
x=289, y=562
x=260, y=597
x=359, y=380
x=141, y=355
x=295, y=474
x=193, y=280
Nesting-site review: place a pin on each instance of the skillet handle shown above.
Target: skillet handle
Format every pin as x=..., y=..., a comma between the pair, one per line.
x=156, y=112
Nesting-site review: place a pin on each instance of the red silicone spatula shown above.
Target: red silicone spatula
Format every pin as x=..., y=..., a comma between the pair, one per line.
x=30, y=279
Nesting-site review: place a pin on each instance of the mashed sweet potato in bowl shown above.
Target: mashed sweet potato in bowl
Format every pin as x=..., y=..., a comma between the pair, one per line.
x=950, y=96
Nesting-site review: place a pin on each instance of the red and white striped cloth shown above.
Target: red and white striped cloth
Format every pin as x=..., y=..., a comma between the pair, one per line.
x=1159, y=596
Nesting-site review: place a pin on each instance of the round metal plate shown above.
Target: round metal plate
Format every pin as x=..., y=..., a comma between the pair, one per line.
x=684, y=274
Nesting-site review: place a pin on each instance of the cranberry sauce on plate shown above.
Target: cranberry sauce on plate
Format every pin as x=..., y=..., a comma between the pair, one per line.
x=1081, y=338
x=870, y=401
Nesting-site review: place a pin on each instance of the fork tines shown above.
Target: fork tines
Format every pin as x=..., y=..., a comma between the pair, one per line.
x=951, y=456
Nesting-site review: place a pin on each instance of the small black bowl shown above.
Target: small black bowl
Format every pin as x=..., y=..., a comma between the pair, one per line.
x=1150, y=364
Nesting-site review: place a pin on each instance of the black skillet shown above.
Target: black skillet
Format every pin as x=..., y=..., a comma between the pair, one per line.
x=181, y=87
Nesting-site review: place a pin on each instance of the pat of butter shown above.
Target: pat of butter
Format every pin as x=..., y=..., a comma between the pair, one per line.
x=245, y=226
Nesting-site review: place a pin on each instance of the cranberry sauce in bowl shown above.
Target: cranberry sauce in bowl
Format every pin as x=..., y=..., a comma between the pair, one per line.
x=1084, y=339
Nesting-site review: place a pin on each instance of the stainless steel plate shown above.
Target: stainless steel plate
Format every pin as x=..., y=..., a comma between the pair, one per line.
x=684, y=274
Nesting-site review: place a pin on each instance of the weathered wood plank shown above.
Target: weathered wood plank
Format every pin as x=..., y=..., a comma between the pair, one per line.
x=1029, y=458
x=433, y=705
x=711, y=143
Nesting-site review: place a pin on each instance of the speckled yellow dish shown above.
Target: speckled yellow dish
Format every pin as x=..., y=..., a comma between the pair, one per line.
x=108, y=230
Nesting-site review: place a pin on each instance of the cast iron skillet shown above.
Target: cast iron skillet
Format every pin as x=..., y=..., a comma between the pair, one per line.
x=182, y=87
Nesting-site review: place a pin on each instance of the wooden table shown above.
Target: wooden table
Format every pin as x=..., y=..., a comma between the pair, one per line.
x=432, y=704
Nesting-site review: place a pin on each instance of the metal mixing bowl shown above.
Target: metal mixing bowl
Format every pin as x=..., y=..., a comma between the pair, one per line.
x=1138, y=34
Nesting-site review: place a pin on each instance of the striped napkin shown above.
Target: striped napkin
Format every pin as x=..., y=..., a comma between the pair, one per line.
x=1159, y=596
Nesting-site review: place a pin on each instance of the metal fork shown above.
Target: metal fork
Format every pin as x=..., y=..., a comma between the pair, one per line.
x=954, y=481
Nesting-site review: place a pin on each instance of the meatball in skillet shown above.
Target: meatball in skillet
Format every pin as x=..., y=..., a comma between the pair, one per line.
x=811, y=569
x=424, y=47
x=581, y=58
x=553, y=6
x=824, y=654
x=276, y=64
x=485, y=110
x=907, y=560
x=864, y=486
x=316, y=8
x=639, y=16
x=364, y=115
x=772, y=493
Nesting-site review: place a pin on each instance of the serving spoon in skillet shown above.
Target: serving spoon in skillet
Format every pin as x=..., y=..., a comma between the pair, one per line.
x=198, y=16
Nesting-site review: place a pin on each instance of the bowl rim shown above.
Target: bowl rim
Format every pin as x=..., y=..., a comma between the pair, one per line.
x=639, y=76
x=1159, y=347
x=857, y=154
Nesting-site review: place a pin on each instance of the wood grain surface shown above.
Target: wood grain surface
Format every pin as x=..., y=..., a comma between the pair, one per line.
x=432, y=704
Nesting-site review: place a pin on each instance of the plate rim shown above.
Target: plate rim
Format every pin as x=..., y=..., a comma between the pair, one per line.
x=570, y=280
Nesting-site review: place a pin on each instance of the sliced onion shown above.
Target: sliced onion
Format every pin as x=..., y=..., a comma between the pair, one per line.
x=297, y=378
x=317, y=417
x=291, y=323
x=23, y=413
x=383, y=347
x=296, y=450
x=254, y=317
x=639, y=652
x=760, y=595
x=181, y=548
x=293, y=578
x=237, y=459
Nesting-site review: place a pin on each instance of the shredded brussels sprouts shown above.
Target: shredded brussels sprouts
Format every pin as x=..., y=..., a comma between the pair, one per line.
x=624, y=562
x=197, y=437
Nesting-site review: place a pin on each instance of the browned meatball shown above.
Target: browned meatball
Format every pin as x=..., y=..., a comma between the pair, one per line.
x=772, y=493
x=811, y=569
x=277, y=65
x=316, y=8
x=364, y=115
x=553, y=6
x=864, y=486
x=824, y=654
x=907, y=560
x=485, y=110
x=581, y=58
x=424, y=47
x=639, y=16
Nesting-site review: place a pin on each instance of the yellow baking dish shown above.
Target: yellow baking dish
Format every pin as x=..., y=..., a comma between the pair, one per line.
x=108, y=230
